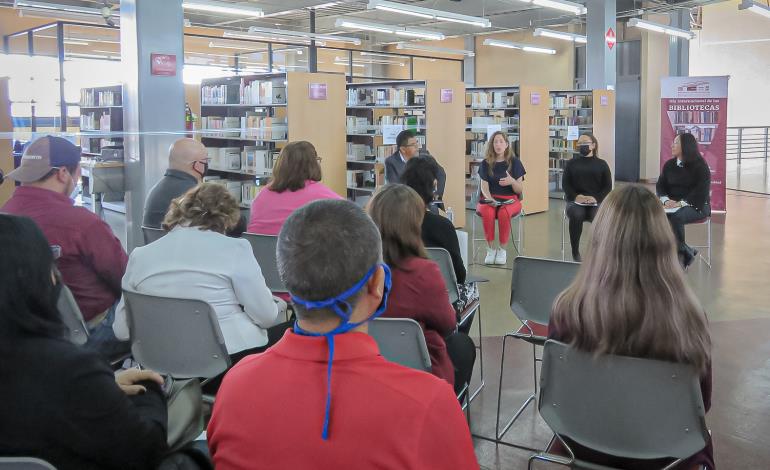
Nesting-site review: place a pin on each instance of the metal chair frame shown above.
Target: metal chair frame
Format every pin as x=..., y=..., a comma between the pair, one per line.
x=564, y=238
x=24, y=463
x=151, y=234
x=707, y=222
x=517, y=242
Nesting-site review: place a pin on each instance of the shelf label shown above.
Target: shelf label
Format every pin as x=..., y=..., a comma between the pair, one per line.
x=163, y=65
x=573, y=132
x=604, y=100
x=317, y=91
x=534, y=98
x=390, y=132
x=447, y=94
x=492, y=128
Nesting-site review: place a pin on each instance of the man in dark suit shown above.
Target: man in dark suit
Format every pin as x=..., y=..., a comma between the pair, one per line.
x=408, y=148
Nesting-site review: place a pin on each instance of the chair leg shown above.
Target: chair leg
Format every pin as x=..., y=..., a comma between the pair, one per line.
x=532, y=398
x=481, y=358
x=563, y=253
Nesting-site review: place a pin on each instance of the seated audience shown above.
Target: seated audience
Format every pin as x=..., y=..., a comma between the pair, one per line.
x=684, y=188
x=657, y=316
x=196, y=260
x=419, y=291
x=60, y=402
x=296, y=181
x=92, y=260
x=323, y=396
x=587, y=180
x=437, y=231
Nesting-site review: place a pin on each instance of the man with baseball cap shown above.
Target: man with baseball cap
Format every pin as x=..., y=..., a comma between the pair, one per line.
x=92, y=260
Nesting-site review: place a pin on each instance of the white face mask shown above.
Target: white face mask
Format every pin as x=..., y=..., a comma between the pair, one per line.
x=74, y=193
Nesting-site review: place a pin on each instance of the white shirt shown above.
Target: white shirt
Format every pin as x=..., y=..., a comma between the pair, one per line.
x=208, y=266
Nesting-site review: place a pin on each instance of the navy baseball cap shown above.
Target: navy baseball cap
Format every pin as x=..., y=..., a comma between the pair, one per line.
x=42, y=156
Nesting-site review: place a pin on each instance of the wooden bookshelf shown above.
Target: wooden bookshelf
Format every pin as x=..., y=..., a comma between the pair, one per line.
x=6, y=145
x=533, y=147
x=604, y=126
x=246, y=120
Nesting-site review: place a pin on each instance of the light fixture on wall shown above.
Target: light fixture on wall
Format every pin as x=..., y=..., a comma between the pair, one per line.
x=519, y=46
x=443, y=50
x=562, y=5
x=755, y=7
x=661, y=28
x=428, y=13
x=549, y=33
x=390, y=29
x=213, y=6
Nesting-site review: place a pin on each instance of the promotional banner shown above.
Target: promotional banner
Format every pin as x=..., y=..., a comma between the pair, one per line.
x=697, y=105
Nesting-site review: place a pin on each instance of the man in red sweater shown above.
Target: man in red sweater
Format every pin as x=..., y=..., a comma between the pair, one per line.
x=91, y=259
x=323, y=397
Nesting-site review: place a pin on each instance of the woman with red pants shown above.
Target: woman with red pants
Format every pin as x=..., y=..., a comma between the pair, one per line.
x=502, y=177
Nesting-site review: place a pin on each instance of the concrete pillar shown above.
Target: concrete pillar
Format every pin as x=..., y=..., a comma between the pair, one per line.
x=679, y=48
x=600, y=58
x=469, y=63
x=151, y=103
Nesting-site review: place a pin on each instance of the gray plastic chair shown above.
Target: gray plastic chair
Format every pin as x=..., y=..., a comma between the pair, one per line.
x=401, y=340
x=24, y=463
x=627, y=407
x=151, y=234
x=264, y=247
x=72, y=317
x=176, y=337
x=535, y=284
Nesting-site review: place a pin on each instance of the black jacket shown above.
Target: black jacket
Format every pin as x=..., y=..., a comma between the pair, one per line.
x=173, y=184
x=690, y=182
x=439, y=232
x=589, y=176
x=60, y=403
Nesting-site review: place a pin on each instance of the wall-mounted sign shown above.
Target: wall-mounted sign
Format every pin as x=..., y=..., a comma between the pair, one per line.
x=163, y=65
x=534, y=99
x=604, y=100
x=611, y=38
x=573, y=132
x=317, y=91
x=390, y=132
x=446, y=95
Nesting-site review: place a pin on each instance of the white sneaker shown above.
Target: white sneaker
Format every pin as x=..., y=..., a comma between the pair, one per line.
x=500, y=257
x=491, y=255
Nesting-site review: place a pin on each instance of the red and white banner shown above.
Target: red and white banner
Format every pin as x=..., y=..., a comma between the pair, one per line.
x=697, y=105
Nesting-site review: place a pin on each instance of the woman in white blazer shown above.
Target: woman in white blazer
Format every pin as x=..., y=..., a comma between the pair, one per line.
x=196, y=260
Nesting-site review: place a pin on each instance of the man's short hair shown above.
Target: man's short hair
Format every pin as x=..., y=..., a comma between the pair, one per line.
x=403, y=137
x=324, y=248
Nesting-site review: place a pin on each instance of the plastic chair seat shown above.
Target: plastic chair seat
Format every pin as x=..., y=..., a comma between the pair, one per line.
x=532, y=332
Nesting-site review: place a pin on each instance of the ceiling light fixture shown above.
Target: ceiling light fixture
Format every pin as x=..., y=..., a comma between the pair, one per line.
x=428, y=13
x=390, y=29
x=519, y=46
x=305, y=35
x=549, y=33
x=266, y=37
x=661, y=28
x=346, y=64
x=755, y=7
x=213, y=6
x=28, y=4
x=562, y=5
x=215, y=45
x=442, y=50
x=325, y=5
x=371, y=61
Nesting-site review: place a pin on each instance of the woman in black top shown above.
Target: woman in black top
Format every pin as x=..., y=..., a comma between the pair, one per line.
x=421, y=174
x=587, y=181
x=684, y=188
x=60, y=402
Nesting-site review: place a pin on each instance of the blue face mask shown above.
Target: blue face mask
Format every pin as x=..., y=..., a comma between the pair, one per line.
x=342, y=308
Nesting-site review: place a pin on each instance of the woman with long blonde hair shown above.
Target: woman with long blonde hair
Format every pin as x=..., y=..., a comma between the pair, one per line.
x=631, y=298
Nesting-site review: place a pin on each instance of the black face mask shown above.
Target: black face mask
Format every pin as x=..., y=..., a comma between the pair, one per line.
x=205, y=169
x=584, y=149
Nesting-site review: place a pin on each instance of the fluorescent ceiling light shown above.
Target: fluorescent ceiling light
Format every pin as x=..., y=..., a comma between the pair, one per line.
x=519, y=46
x=755, y=7
x=371, y=61
x=325, y=5
x=28, y=4
x=428, y=13
x=265, y=37
x=390, y=29
x=355, y=64
x=549, y=33
x=305, y=35
x=213, y=6
x=661, y=28
x=215, y=45
x=443, y=50
x=562, y=5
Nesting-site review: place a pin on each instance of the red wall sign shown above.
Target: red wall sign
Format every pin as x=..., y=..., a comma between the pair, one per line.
x=611, y=38
x=317, y=91
x=446, y=95
x=163, y=65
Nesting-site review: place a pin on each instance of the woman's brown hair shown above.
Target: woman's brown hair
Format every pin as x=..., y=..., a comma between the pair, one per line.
x=297, y=163
x=398, y=211
x=491, y=156
x=208, y=206
x=630, y=296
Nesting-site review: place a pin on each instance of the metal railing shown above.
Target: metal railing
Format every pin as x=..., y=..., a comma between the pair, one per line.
x=748, y=143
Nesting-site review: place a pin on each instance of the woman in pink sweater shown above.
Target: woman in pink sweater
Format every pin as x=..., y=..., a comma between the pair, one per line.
x=296, y=182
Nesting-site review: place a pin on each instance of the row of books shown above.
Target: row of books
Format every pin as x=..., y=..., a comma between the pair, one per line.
x=569, y=120
x=394, y=97
x=100, y=98
x=265, y=92
x=252, y=126
x=571, y=101
x=562, y=145
x=244, y=192
x=358, y=151
x=90, y=122
x=694, y=117
x=492, y=99
x=363, y=125
x=704, y=135
x=480, y=123
x=364, y=179
x=250, y=159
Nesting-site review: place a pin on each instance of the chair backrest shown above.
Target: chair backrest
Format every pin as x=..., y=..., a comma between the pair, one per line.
x=624, y=406
x=264, y=247
x=72, y=317
x=24, y=463
x=535, y=284
x=151, y=234
x=178, y=337
x=444, y=261
x=402, y=341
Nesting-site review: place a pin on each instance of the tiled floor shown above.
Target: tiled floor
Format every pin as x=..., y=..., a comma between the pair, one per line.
x=751, y=175
x=735, y=293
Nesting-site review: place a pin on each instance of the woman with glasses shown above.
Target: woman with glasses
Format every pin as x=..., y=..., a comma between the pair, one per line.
x=296, y=182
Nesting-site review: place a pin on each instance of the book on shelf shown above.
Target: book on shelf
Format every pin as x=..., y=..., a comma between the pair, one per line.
x=694, y=117
x=93, y=98
x=572, y=120
x=493, y=99
x=386, y=96
x=214, y=94
x=571, y=101
x=384, y=151
x=480, y=123
x=258, y=160
x=704, y=135
x=365, y=179
x=358, y=152
x=260, y=127
x=230, y=126
x=249, y=191
x=266, y=92
x=358, y=125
